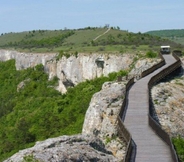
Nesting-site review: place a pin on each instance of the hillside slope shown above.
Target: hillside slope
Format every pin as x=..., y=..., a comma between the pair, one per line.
x=81, y=40
x=176, y=35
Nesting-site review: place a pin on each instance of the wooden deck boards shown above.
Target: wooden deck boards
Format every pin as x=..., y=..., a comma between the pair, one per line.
x=150, y=147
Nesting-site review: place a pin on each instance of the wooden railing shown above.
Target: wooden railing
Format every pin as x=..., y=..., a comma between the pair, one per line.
x=153, y=68
x=153, y=123
x=125, y=101
x=165, y=71
x=123, y=131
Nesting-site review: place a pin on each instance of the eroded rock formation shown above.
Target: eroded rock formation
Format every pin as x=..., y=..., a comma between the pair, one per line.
x=72, y=70
x=169, y=105
x=142, y=65
x=101, y=116
x=66, y=148
x=99, y=140
x=168, y=98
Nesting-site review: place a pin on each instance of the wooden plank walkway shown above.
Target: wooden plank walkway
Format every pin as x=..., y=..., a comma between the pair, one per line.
x=150, y=147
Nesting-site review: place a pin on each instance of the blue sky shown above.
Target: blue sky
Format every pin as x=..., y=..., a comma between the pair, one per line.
x=132, y=15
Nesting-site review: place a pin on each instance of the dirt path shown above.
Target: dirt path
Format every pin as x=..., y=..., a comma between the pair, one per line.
x=102, y=34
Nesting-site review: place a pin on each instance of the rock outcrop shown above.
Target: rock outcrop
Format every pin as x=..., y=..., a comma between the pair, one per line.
x=168, y=98
x=142, y=65
x=101, y=116
x=66, y=148
x=26, y=60
x=99, y=140
x=22, y=84
x=72, y=70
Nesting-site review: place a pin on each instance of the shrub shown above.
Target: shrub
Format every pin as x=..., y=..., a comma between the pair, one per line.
x=62, y=54
x=30, y=158
x=179, y=145
x=151, y=54
x=114, y=75
x=76, y=54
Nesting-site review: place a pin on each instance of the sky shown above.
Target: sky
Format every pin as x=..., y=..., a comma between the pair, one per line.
x=132, y=15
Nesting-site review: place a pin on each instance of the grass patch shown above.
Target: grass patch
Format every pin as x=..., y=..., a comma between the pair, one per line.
x=151, y=54
x=179, y=146
x=82, y=40
x=30, y=158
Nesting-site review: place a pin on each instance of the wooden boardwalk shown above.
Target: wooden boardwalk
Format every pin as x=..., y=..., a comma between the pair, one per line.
x=150, y=147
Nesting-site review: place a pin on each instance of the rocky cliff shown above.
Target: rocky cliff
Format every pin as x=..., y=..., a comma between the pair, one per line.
x=168, y=97
x=99, y=140
x=72, y=70
x=142, y=65
x=78, y=148
x=26, y=60
x=101, y=116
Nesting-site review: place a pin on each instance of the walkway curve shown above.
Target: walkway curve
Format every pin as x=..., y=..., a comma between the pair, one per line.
x=150, y=147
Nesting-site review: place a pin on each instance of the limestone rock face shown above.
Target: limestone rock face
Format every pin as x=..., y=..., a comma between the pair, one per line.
x=99, y=140
x=142, y=65
x=101, y=116
x=104, y=108
x=72, y=70
x=22, y=84
x=67, y=148
x=168, y=98
x=25, y=60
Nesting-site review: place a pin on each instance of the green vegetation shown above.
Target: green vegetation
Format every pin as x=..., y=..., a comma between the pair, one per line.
x=66, y=54
x=168, y=33
x=30, y=158
x=31, y=40
x=110, y=139
x=151, y=54
x=176, y=35
x=61, y=54
x=82, y=40
x=179, y=145
x=36, y=111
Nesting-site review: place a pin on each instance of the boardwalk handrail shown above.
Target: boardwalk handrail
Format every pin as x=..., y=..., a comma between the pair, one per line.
x=122, y=130
x=123, y=107
x=153, y=124
x=154, y=67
